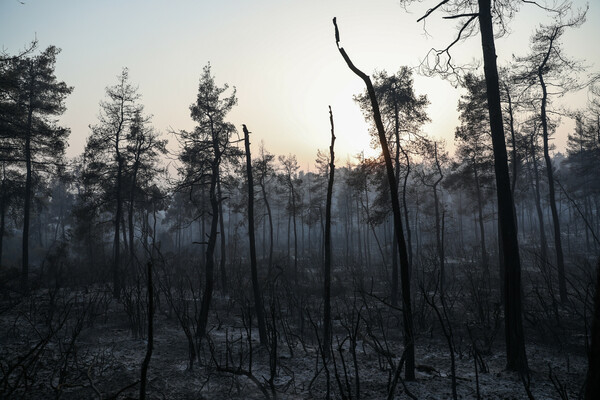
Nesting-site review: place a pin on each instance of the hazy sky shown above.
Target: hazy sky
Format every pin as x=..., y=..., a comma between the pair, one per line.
x=279, y=54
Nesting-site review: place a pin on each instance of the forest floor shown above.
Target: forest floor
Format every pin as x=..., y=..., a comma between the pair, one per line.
x=48, y=350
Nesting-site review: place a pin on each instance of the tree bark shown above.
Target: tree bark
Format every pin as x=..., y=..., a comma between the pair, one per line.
x=515, y=341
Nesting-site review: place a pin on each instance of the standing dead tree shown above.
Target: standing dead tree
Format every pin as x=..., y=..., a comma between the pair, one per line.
x=404, y=267
x=483, y=12
x=258, y=304
x=327, y=268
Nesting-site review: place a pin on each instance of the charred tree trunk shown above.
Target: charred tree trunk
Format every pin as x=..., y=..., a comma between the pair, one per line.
x=258, y=304
x=515, y=341
x=406, y=298
x=327, y=267
x=560, y=259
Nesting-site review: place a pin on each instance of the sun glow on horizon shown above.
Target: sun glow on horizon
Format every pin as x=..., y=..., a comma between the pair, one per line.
x=282, y=59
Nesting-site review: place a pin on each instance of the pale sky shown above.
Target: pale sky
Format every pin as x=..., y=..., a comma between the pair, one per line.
x=279, y=54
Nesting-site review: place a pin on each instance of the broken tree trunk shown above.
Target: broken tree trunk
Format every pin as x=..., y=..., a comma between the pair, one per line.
x=406, y=300
x=327, y=269
x=258, y=305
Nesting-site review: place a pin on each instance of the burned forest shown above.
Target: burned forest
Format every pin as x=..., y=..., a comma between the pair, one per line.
x=207, y=256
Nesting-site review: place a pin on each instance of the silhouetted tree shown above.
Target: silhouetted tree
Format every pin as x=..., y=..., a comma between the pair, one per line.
x=30, y=97
x=106, y=155
x=440, y=61
x=289, y=178
x=201, y=156
x=548, y=65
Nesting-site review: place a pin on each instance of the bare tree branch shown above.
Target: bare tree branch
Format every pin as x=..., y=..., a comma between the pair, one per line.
x=462, y=15
x=431, y=10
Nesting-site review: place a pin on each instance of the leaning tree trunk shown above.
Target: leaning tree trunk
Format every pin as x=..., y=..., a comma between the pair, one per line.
x=327, y=268
x=406, y=300
x=516, y=356
x=258, y=304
